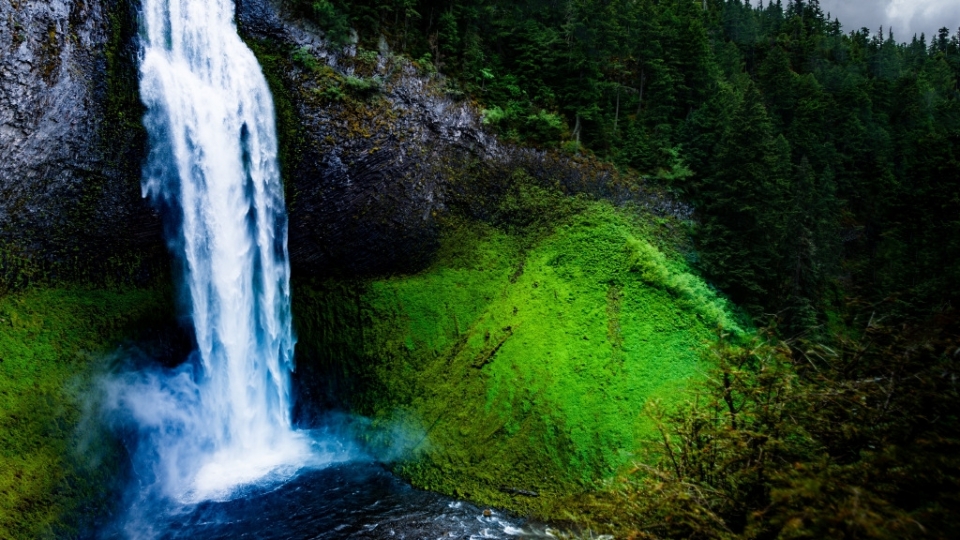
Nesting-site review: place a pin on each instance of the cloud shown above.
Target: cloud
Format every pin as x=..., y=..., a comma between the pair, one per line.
x=906, y=17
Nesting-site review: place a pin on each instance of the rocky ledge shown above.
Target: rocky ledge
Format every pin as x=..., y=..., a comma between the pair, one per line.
x=382, y=148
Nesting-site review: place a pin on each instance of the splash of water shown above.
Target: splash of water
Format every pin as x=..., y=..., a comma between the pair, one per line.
x=223, y=419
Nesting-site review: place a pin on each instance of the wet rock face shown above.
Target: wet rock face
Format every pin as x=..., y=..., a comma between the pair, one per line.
x=382, y=152
x=368, y=180
x=375, y=172
x=69, y=174
x=46, y=101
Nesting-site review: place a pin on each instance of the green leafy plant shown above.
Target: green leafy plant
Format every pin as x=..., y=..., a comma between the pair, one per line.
x=362, y=87
x=332, y=21
x=801, y=440
x=305, y=58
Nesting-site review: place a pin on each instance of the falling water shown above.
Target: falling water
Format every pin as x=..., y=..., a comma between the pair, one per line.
x=223, y=419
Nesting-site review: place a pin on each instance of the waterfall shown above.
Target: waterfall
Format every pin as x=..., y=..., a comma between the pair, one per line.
x=221, y=420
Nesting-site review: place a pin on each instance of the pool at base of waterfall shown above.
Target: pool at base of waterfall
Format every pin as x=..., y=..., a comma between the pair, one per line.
x=358, y=499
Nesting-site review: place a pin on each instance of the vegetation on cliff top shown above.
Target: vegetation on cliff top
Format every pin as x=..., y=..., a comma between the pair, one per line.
x=811, y=154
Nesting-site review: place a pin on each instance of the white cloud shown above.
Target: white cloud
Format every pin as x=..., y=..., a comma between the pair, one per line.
x=906, y=17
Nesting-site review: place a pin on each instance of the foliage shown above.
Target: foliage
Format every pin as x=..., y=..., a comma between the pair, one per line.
x=332, y=21
x=328, y=16
x=798, y=440
x=540, y=126
x=859, y=135
x=522, y=358
x=362, y=87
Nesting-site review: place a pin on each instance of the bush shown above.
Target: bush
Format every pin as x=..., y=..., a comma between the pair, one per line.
x=363, y=87
x=544, y=126
x=538, y=126
x=305, y=58
x=334, y=24
x=801, y=440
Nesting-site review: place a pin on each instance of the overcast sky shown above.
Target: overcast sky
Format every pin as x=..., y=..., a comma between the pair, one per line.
x=907, y=17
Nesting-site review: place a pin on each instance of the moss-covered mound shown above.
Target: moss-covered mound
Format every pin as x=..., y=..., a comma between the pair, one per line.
x=520, y=362
x=49, y=340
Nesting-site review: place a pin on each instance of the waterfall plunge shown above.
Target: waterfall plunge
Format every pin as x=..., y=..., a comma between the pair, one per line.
x=223, y=419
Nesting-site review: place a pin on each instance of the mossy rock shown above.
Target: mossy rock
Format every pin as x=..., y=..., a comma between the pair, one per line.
x=521, y=361
x=55, y=478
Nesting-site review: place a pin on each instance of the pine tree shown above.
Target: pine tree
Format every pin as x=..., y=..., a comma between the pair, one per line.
x=743, y=205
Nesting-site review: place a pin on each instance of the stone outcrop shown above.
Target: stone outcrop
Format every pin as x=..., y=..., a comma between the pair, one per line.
x=70, y=141
x=384, y=147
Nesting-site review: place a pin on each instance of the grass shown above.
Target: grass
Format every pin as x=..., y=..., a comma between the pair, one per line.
x=522, y=364
x=49, y=339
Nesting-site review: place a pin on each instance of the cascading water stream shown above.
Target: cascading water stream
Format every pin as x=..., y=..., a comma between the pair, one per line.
x=223, y=419
x=212, y=124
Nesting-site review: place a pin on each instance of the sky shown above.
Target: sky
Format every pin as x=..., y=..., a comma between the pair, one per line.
x=907, y=17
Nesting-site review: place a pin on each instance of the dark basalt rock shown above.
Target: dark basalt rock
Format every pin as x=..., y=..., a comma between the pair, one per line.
x=373, y=173
x=70, y=143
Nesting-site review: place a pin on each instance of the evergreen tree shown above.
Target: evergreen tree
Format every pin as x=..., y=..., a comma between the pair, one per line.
x=743, y=207
x=649, y=83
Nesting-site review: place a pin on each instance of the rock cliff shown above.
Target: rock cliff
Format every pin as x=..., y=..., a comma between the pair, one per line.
x=71, y=142
x=383, y=146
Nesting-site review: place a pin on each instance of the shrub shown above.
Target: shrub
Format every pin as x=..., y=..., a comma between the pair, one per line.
x=363, y=87
x=305, y=58
x=334, y=24
x=801, y=440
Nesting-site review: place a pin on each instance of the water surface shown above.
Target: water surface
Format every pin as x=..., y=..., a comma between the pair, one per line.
x=352, y=500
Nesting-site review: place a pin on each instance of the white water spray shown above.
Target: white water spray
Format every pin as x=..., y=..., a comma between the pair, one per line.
x=222, y=420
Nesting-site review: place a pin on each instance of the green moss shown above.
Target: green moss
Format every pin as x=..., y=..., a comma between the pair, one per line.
x=522, y=359
x=50, y=55
x=48, y=340
x=123, y=135
x=16, y=269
